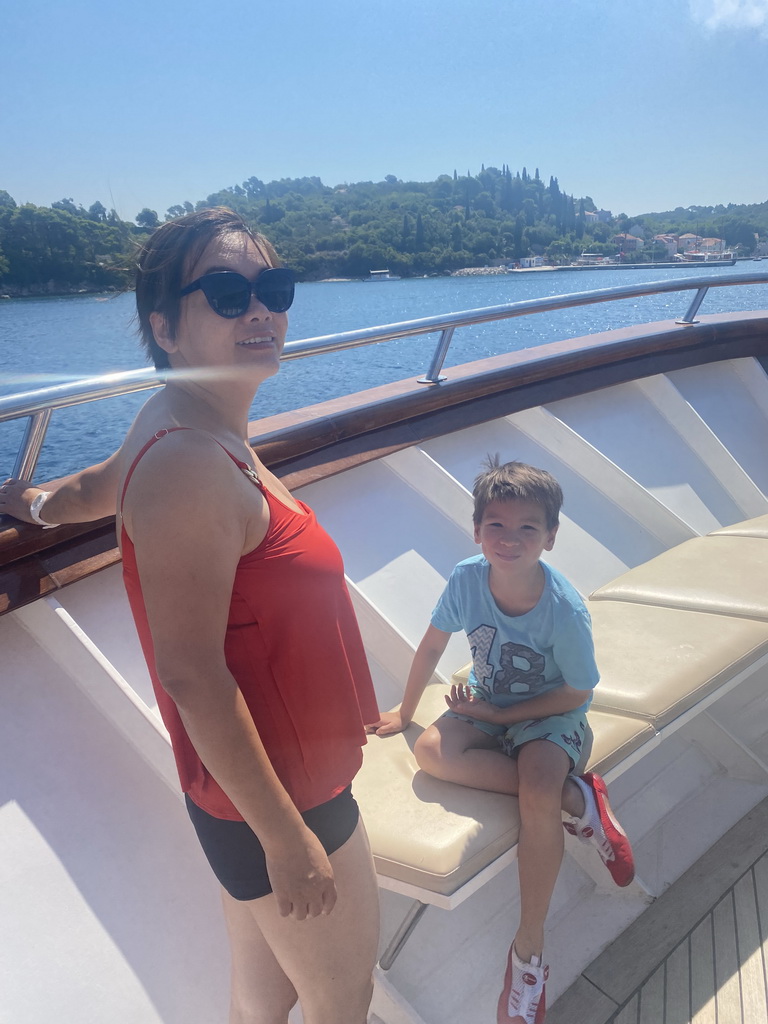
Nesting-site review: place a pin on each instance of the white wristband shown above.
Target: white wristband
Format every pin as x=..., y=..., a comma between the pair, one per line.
x=36, y=505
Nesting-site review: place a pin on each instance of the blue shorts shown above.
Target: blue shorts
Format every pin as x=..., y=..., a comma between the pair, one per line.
x=237, y=857
x=570, y=731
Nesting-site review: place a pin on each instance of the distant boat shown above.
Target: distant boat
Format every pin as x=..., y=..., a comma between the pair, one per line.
x=593, y=259
x=692, y=256
x=383, y=275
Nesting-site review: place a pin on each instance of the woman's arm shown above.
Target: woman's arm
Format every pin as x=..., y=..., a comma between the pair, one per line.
x=425, y=660
x=78, y=498
x=187, y=550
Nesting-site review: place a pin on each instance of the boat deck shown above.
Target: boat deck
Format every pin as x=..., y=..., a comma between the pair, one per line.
x=656, y=434
x=698, y=955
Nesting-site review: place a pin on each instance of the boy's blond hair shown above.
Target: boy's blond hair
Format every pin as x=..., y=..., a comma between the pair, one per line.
x=516, y=481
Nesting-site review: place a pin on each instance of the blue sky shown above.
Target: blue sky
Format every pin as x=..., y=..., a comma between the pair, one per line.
x=642, y=104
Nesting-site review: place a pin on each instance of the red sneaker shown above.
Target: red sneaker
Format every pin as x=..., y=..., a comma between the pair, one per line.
x=599, y=828
x=523, y=1000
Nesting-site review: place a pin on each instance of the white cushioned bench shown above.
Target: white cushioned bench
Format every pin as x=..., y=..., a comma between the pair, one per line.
x=431, y=838
x=673, y=631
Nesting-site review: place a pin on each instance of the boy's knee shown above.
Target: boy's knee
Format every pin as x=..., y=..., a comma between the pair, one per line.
x=538, y=794
x=426, y=749
x=542, y=772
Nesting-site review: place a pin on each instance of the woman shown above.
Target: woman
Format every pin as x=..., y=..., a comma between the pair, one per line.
x=247, y=627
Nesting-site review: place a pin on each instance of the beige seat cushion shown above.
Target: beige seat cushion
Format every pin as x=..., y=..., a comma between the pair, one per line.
x=615, y=737
x=656, y=662
x=437, y=835
x=722, y=574
x=749, y=528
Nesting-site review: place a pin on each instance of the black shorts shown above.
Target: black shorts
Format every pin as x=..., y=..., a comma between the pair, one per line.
x=237, y=857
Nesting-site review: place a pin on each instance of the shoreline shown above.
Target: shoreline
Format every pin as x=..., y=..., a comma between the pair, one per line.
x=26, y=293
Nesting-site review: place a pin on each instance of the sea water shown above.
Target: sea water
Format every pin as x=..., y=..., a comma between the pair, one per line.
x=48, y=340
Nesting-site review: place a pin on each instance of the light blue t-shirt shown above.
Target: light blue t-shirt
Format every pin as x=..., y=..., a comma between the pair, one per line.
x=516, y=657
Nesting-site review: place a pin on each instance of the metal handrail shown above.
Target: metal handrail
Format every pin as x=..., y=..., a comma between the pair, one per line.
x=38, y=404
x=450, y=321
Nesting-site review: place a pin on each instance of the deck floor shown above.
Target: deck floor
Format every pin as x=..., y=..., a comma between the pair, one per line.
x=698, y=955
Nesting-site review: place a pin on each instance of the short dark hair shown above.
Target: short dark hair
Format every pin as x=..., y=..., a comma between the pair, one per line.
x=168, y=254
x=517, y=481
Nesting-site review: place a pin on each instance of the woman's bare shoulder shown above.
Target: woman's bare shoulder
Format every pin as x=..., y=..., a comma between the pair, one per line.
x=178, y=455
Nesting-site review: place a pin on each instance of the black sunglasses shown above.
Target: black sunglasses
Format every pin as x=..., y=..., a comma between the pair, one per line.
x=229, y=294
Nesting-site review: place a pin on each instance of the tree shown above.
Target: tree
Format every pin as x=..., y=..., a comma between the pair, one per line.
x=405, y=233
x=484, y=202
x=740, y=232
x=443, y=187
x=97, y=212
x=254, y=188
x=147, y=219
x=67, y=205
x=271, y=213
x=517, y=237
x=484, y=244
x=418, y=242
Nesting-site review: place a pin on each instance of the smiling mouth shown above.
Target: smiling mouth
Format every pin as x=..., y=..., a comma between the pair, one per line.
x=254, y=342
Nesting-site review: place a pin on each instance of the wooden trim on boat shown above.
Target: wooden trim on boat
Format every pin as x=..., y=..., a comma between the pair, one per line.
x=322, y=440
x=83, y=551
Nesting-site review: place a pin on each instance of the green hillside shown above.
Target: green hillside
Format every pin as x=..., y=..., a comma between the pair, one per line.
x=322, y=231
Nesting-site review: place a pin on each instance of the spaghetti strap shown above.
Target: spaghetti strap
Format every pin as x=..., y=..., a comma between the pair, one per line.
x=249, y=471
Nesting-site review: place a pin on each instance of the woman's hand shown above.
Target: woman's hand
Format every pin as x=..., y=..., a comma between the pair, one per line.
x=464, y=702
x=81, y=497
x=390, y=723
x=302, y=878
x=16, y=497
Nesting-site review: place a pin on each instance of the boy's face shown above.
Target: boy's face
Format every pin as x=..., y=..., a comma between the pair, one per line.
x=513, y=534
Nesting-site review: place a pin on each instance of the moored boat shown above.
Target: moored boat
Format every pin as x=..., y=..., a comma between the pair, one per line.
x=696, y=257
x=382, y=275
x=656, y=433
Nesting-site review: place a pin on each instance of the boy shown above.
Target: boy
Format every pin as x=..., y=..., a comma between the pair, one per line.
x=519, y=724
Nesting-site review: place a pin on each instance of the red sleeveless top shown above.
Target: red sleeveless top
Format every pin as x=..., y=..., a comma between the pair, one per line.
x=294, y=648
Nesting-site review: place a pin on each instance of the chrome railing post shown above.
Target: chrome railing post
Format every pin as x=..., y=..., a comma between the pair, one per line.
x=693, y=309
x=32, y=444
x=432, y=376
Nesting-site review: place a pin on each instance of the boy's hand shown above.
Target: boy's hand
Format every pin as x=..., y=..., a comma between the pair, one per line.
x=464, y=702
x=389, y=724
